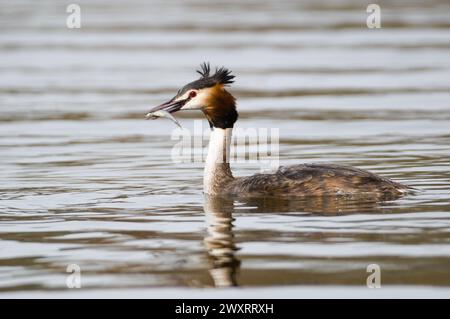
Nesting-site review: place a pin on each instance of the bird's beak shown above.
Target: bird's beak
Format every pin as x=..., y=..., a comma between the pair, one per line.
x=169, y=106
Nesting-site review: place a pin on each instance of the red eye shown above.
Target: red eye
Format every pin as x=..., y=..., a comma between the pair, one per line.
x=192, y=94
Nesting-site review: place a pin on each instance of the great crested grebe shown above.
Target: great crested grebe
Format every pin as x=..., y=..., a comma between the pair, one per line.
x=209, y=95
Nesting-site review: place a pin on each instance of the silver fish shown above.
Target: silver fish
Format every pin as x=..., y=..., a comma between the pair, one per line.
x=162, y=113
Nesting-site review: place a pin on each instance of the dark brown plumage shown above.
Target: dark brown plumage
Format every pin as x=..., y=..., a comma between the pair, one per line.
x=224, y=116
x=316, y=180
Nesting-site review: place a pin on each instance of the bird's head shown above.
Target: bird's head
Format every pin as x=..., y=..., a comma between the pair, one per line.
x=207, y=94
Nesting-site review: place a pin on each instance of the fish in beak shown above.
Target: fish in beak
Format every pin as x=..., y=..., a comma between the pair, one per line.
x=165, y=110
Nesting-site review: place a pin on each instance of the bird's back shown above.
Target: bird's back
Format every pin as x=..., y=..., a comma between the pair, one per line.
x=316, y=180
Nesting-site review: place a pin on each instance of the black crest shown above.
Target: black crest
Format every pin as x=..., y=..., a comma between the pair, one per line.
x=220, y=76
x=205, y=70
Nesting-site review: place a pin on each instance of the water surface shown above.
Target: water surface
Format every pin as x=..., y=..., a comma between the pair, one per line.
x=86, y=180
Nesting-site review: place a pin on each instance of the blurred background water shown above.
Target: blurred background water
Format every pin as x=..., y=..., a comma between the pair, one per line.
x=85, y=180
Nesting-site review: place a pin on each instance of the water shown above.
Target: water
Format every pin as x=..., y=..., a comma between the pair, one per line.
x=86, y=180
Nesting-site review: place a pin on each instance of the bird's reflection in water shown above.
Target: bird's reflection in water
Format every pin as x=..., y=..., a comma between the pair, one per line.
x=220, y=240
x=325, y=206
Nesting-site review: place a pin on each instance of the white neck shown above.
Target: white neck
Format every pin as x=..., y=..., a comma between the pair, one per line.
x=217, y=168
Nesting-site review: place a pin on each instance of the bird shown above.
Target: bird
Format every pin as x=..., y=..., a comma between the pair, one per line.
x=210, y=95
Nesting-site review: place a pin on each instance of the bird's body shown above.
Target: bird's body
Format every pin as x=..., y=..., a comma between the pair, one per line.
x=209, y=95
x=300, y=180
x=316, y=180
